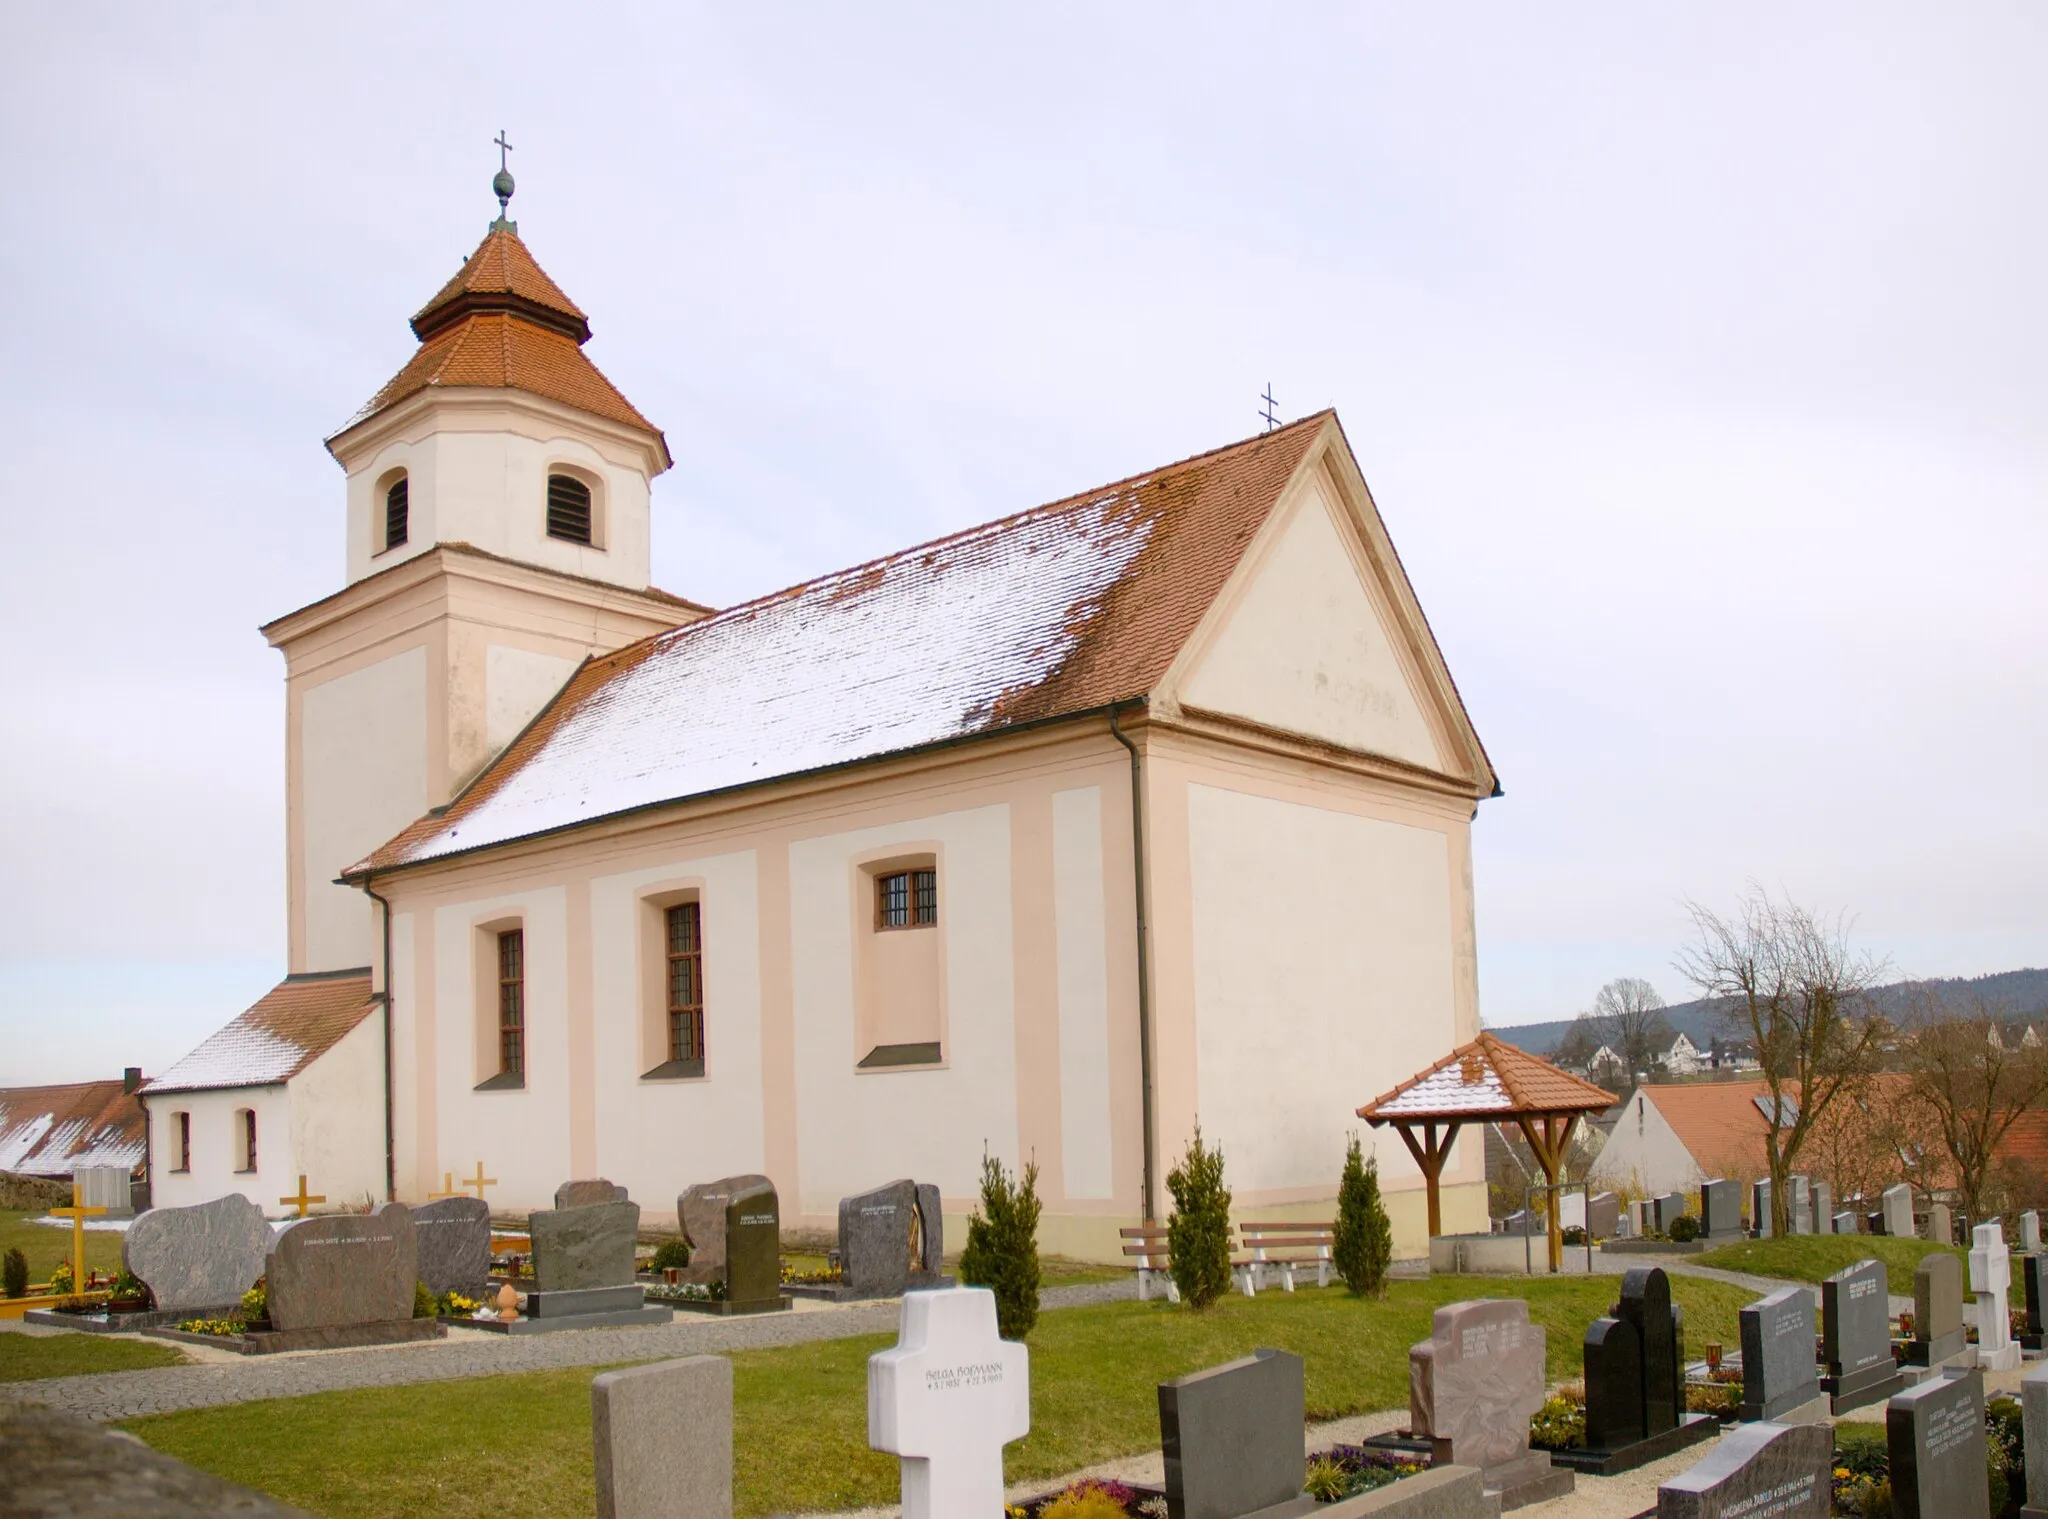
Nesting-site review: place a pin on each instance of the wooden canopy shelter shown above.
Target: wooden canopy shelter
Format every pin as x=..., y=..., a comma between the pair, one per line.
x=1488, y=1081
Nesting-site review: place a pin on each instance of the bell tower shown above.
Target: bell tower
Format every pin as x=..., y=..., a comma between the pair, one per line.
x=497, y=534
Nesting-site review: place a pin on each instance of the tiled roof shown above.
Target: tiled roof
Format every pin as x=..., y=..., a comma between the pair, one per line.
x=1718, y=1122
x=1060, y=610
x=1490, y=1079
x=501, y=267
x=295, y=1022
x=48, y=1131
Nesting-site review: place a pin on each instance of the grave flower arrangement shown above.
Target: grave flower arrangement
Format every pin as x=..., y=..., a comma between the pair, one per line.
x=1090, y=1498
x=455, y=1304
x=1344, y=1471
x=1560, y=1424
x=255, y=1306
x=227, y=1326
x=62, y=1280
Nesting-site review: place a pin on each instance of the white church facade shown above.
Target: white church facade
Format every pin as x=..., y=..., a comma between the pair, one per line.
x=1051, y=838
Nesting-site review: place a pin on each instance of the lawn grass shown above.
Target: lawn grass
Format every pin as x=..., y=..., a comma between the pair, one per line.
x=521, y=1444
x=29, y=1358
x=45, y=1246
x=1814, y=1257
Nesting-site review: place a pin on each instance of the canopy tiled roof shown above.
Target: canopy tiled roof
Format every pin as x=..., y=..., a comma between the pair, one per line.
x=1487, y=1079
x=502, y=267
x=1061, y=610
x=49, y=1131
x=292, y=1025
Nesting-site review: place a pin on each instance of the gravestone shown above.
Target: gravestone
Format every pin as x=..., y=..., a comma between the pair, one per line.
x=752, y=1240
x=1941, y=1224
x=949, y=1397
x=204, y=1256
x=584, y=1194
x=454, y=1240
x=2034, y=1437
x=1991, y=1280
x=700, y=1212
x=1473, y=1386
x=107, y=1187
x=890, y=1240
x=1935, y=1434
x=1937, y=1312
x=584, y=1245
x=1779, y=1381
x=1800, y=1219
x=662, y=1435
x=2034, y=1278
x=1760, y=1209
x=2030, y=1232
x=1231, y=1436
x=1843, y=1223
x=1635, y=1382
x=1571, y=1210
x=341, y=1270
x=1521, y=1221
x=1720, y=1210
x=1757, y=1471
x=1823, y=1208
x=1603, y=1215
x=1856, y=1337
x=1641, y=1223
x=1669, y=1209
x=1897, y=1207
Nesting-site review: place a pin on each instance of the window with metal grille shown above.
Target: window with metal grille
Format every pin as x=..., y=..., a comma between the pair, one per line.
x=685, y=983
x=907, y=899
x=568, y=509
x=396, y=513
x=512, y=1002
x=184, y=1142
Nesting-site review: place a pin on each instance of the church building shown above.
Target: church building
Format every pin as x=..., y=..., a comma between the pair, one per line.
x=1049, y=839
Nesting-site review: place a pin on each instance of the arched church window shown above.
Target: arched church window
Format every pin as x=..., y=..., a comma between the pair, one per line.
x=568, y=509
x=397, y=511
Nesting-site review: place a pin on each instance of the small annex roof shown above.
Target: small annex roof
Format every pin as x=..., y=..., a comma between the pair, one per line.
x=1064, y=609
x=1488, y=1079
x=1722, y=1124
x=292, y=1025
x=50, y=1131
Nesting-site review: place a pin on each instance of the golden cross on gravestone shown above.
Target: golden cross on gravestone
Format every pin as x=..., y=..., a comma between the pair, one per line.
x=78, y=1213
x=448, y=1188
x=303, y=1199
x=479, y=1181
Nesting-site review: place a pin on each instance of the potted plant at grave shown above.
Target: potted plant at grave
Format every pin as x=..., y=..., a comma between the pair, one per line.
x=256, y=1305
x=670, y=1257
x=127, y=1294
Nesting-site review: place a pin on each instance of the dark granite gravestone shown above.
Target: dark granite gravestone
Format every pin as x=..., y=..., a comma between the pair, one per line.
x=454, y=1238
x=205, y=1256
x=584, y=1246
x=2034, y=1282
x=1757, y=1471
x=1666, y=1211
x=1778, y=1375
x=753, y=1250
x=1614, y=1384
x=1521, y=1221
x=1856, y=1337
x=1635, y=1382
x=931, y=1223
x=583, y=1194
x=890, y=1240
x=344, y=1269
x=1473, y=1386
x=1603, y=1215
x=1646, y=1303
x=1231, y=1436
x=1760, y=1209
x=1937, y=1312
x=1720, y=1210
x=1935, y=1433
x=700, y=1211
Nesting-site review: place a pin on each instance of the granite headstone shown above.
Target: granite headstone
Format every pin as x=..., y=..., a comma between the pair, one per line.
x=2034, y=1437
x=1614, y=1384
x=584, y=1194
x=1856, y=1337
x=204, y=1256
x=342, y=1269
x=1842, y=1223
x=1991, y=1280
x=1473, y=1386
x=1646, y=1304
x=1897, y=1207
x=1757, y=1471
x=454, y=1239
x=2030, y=1232
x=2034, y=1278
x=890, y=1239
x=1668, y=1210
x=1823, y=1208
x=1760, y=1209
x=584, y=1246
x=1937, y=1311
x=1941, y=1224
x=1720, y=1209
x=751, y=1237
x=701, y=1212
x=1231, y=1437
x=1935, y=1435
x=1801, y=1210
x=1603, y=1215
x=662, y=1436
x=1778, y=1375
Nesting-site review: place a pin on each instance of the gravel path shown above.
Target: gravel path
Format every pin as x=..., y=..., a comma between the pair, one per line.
x=219, y=1377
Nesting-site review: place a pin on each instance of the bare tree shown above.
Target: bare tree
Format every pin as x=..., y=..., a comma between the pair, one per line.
x=1796, y=990
x=1967, y=1086
x=1579, y=1044
x=1628, y=1017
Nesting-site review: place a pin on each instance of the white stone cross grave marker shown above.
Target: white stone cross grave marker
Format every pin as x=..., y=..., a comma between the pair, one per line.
x=947, y=1399
x=1991, y=1280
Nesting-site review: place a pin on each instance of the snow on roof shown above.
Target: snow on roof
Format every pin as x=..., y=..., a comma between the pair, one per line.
x=1057, y=611
x=1485, y=1077
x=49, y=1131
x=290, y=1027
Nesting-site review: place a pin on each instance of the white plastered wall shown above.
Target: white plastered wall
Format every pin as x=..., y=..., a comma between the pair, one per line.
x=1323, y=975
x=337, y=1117
x=858, y=1129
x=216, y=1147
x=401, y=979
x=1644, y=1154
x=523, y=1134
x=651, y=1132
x=1081, y=948
x=517, y=684
x=363, y=769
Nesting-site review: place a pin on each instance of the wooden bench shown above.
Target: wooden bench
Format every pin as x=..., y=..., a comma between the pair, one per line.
x=1284, y=1248
x=1152, y=1257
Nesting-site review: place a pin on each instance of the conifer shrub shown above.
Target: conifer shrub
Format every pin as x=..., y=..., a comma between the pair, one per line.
x=14, y=1274
x=423, y=1303
x=671, y=1254
x=1365, y=1239
x=1002, y=1246
x=1198, y=1233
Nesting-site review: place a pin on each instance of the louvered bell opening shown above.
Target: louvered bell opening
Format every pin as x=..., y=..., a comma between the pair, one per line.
x=397, y=513
x=568, y=509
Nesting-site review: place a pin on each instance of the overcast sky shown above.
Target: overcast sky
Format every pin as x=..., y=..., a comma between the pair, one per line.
x=1693, y=354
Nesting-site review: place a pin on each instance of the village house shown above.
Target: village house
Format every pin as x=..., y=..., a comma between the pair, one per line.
x=48, y=1132
x=1045, y=839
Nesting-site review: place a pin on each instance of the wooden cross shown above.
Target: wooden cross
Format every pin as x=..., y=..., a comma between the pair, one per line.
x=78, y=1213
x=479, y=1181
x=302, y=1200
x=449, y=1189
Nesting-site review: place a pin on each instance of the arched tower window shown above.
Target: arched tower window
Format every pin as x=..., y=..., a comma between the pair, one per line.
x=568, y=509
x=397, y=513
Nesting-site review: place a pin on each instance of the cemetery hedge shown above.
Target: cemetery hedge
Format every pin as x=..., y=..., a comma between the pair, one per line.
x=28, y=1358
x=521, y=1443
x=1815, y=1257
x=45, y=1246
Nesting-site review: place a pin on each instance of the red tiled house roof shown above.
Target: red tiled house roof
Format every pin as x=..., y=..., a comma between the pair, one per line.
x=290, y=1026
x=49, y=1131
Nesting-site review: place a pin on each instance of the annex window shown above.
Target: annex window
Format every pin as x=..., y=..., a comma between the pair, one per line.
x=397, y=512
x=512, y=1005
x=907, y=899
x=685, y=983
x=181, y=1141
x=245, y=1138
x=568, y=509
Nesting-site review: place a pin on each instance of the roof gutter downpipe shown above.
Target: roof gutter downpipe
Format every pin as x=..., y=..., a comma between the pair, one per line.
x=1144, y=960
x=390, y=1148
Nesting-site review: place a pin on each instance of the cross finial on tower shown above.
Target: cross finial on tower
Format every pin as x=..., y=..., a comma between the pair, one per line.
x=1271, y=420
x=502, y=186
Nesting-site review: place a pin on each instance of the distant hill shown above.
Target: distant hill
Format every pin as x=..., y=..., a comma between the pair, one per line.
x=2020, y=994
